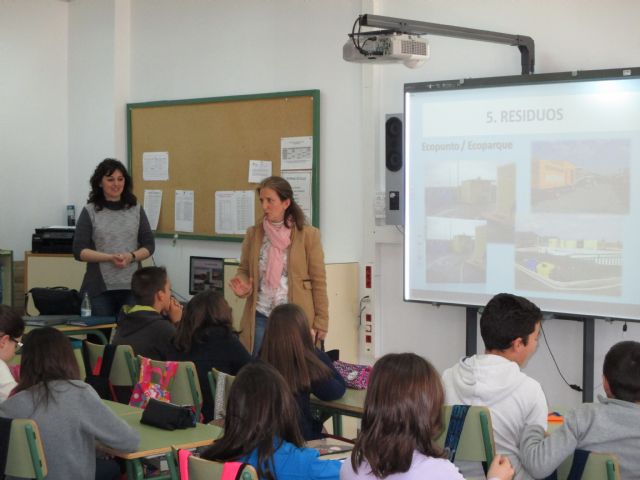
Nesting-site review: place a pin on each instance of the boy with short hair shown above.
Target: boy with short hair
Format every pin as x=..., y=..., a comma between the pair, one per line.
x=148, y=326
x=610, y=426
x=509, y=326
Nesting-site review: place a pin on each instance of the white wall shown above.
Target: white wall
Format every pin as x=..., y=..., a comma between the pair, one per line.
x=33, y=119
x=569, y=35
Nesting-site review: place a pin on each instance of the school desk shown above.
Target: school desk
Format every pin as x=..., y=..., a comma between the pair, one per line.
x=70, y=330
x=350, y=404
x=156, y=441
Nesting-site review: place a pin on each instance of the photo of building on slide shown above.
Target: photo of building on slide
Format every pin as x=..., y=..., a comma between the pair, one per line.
x=574, y=176
x=456, y=250
x=564, y=254
x=481, y=190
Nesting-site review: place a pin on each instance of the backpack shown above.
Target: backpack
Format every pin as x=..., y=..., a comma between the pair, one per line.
x=154, y=382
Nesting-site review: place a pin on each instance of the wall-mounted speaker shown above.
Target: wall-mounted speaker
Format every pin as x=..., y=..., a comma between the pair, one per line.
x=394, y=168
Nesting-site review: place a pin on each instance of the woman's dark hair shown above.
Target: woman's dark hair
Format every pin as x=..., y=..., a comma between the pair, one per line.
x=621, y=368
x=260, y=410
x=288, y=346
x=105, y=168
x=11, y=322
x=402, y=413
x=293, y=214
x=206, y=309
x=46, y=356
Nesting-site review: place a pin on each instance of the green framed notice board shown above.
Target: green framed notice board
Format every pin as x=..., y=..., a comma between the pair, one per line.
x=207, y=145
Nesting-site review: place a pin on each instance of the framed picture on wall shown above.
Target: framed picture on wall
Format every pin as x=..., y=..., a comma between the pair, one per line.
x=206, y=273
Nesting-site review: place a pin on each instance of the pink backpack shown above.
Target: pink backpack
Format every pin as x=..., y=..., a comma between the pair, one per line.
x=154, y=382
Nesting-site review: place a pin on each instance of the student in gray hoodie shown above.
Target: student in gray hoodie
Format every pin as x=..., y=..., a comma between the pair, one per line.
x=610, y=426
x=509, y=326
x=70, y=416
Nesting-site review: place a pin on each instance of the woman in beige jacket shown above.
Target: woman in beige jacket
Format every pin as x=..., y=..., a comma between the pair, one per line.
x=282, y=262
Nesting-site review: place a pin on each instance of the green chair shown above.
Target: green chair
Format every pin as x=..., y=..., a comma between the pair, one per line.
x=25, y=458
x=213, y=376
x=476, y=439
x=200, y=469
x=185, y=387
x=599, y=466
x=123, y=372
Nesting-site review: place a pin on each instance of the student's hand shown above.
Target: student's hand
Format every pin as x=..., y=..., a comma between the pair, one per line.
x=175, y=310
x=500, y=468
x=241, y=287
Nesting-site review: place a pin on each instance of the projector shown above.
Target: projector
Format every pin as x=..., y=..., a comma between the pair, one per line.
x=411, y=50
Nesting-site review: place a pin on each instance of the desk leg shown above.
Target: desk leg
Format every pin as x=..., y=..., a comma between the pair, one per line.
x=134, y=469
x=336, y=418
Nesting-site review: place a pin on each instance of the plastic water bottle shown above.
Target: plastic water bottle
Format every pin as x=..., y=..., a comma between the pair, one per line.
x=85, y=307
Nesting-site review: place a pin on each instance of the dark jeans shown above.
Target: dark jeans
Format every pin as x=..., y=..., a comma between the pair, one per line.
x=261, y=325
x=109, y=303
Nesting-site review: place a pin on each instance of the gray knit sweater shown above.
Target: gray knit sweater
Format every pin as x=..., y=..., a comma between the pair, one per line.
x=111, y=230
x=610, y=426
x=70, y=424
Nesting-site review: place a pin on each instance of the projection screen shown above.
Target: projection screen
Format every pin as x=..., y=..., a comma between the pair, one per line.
x=527, y=184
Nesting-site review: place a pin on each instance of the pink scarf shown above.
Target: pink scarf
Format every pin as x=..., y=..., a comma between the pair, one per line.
x=280, y=239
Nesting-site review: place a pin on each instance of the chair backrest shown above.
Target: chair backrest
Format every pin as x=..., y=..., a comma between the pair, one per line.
x=476, y=439
x=599, y=466
x=185, y=388
x=200, y=469
x=213, y=377
x=25, y=457
x=121, y=373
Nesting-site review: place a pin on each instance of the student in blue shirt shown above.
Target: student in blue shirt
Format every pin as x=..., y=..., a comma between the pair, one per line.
x=261, y=428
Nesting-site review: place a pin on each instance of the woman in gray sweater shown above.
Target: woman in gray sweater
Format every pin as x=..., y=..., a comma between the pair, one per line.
x=70, y=415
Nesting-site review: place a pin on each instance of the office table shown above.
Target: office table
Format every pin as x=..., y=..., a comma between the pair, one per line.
x=156, y=441
x=350, y=404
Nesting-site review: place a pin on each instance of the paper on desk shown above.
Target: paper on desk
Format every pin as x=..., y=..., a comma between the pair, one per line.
x=259, y=170
x=152, y=204
x=184, y=211
x=235, y=211
x=296, y=153
x=300, y=182
x=155, y=166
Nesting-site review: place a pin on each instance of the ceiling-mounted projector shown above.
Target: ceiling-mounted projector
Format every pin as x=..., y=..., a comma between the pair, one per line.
x=411, y=50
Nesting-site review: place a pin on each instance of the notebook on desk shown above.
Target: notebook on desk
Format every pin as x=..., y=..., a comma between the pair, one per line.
x=46, y=320
x=91, y=321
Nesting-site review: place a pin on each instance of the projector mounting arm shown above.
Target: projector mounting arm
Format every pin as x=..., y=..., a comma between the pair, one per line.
x=524, y=43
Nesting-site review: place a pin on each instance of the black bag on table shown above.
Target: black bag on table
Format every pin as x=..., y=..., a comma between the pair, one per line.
x=168, y=416
x=55, y=300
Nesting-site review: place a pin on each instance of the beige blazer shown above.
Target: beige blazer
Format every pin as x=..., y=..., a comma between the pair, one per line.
x=306, y=277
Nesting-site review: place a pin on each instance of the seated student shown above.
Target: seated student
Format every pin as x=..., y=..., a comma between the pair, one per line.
x=509, y=326
x=205, y=336
x=11, y=330
x=610, y=426
x=402, y=418
x=70, y=415
x=148, y=326
x=261, y=428
x=288, y=346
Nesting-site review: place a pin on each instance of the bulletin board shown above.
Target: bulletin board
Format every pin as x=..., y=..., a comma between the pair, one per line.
x=209, y=143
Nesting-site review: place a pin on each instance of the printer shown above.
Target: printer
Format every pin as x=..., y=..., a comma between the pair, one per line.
x=53, y=240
